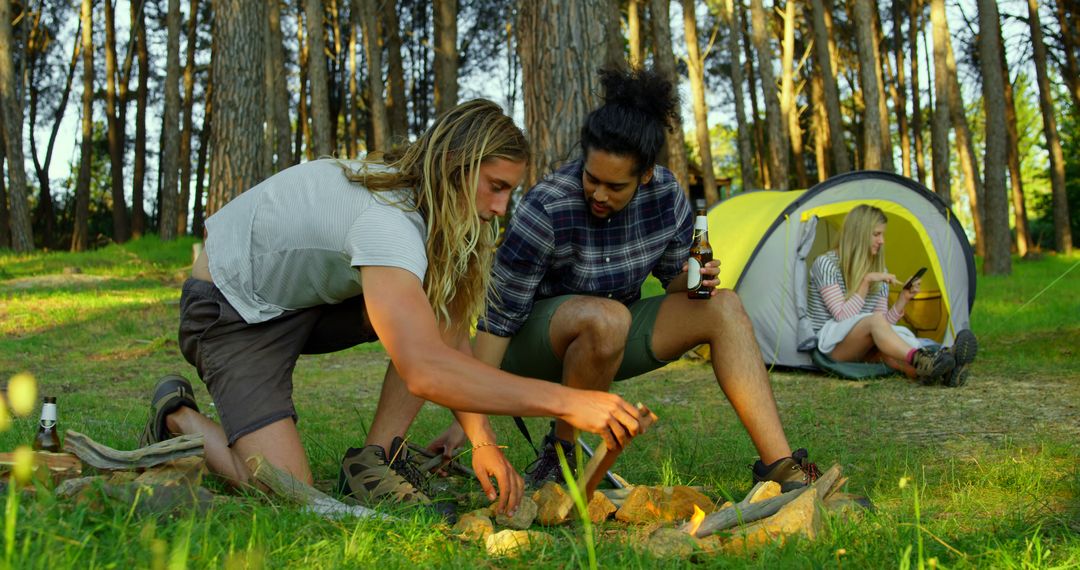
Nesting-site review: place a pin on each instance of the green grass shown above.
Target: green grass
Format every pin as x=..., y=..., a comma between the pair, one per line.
x=994, y=463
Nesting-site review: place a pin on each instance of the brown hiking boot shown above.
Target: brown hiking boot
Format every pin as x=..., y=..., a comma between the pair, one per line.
x=963, y=351
x=931, y=366
x=371, y=478
x=791, y=472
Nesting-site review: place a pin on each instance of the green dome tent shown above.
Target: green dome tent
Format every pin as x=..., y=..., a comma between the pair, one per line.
x=766, y=241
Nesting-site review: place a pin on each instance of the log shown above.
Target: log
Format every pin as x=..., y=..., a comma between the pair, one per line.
x=315, y=501
x=743, y=512
x=58, y=463
x=604, y=458
x=104, y=457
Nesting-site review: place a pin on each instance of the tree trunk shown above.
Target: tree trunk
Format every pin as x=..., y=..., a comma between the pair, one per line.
x=834, y=129
x=320, y=97
x=561, y=46
x=789, y=108
x=1016, y=180
x=1071, y=71
x=11, y=120
x=5, y=214
x=874, y=147
x=278, y=90
x=819, y=124
x=900, y=90
x=778, y=143
x=664, y=63
x=198, y=210
x=170, y=127
x=746, y=158
x=883, y=104
x=121, y=231
x=996, y=205
x=446, y=55
x=751, y=79
x=696, y=70
x=80, y=233
x=1062, y=231
x=352, y=112
x=303, y=131
x=237, y=98
x=138, y=168
x=633, y=25
x=380, y=125
x=965, y=151
x=186, y=133
x=939, y=127
x=396, y=105
x=914, y=25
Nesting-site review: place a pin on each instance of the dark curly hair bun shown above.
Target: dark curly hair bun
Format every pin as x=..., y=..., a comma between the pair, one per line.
x=639, y=108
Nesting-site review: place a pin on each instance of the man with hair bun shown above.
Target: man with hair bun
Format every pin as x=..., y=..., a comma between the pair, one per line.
x=565, y=300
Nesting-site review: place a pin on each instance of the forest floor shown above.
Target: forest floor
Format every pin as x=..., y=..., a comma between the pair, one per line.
x=981, y=476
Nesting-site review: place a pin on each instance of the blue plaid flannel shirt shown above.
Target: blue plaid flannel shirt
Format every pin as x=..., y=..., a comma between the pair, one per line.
x=554, y=246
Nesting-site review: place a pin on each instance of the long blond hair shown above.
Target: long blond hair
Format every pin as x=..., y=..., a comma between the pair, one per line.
x=854, y=252
x=443, y=169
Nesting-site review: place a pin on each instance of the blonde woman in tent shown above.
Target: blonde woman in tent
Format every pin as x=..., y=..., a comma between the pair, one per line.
x=848, y=303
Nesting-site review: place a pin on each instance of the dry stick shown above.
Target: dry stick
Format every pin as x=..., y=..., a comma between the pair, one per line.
x=604, y=458
x=101, y=456
x=742, y=512
x=285, y=485
x=57, y=462
x=431, y=463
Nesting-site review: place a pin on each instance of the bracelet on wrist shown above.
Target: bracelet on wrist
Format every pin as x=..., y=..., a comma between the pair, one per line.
x=487, y=444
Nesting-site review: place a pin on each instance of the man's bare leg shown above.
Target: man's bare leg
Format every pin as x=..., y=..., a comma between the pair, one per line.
x=279, y=443
x=589, y=335
x=721, y=321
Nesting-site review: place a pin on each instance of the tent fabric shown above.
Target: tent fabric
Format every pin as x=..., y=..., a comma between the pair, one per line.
x=765, y=240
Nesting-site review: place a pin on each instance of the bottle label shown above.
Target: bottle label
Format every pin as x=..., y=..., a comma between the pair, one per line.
x=48, y=415
x=693, y=276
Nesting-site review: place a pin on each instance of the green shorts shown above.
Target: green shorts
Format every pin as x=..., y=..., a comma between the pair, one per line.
x=530, y=353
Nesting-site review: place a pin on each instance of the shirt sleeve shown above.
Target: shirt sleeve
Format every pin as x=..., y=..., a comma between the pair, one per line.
x=825, y=275
x=520, y=264
x=678, y=249
x=881, y=303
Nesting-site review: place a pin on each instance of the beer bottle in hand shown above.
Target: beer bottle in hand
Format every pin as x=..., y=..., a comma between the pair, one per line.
x=700, y=254
x=47, y=439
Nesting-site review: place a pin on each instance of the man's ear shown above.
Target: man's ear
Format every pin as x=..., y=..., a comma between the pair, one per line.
x=645, y=178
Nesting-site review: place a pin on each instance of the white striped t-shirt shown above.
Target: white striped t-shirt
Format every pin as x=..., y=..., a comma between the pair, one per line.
x=296, y=239
x=827, y=289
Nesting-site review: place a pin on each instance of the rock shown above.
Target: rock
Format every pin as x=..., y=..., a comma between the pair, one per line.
x=667, y=542
x=523, y=517
x=513, y=542
x=145, y=499
x=473, y=526
x=600, y=508
x=668, y=504
x=762, y=491
x=71, y=487
x=186, y=471
x=553, y=504
x=847, y=506
x=799, y=517
x=122, y=477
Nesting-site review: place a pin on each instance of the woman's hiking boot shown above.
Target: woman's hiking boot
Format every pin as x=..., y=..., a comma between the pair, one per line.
x=963, y=351
x=931, y=366
x=791, y=472
x=546, y=465
x=372, y=478
x=170, y=394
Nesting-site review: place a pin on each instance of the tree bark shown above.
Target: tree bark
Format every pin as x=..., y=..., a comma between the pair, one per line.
x=303, y=129
x=380, y=122
x=198, y=209
x=121, y=231
x=819, y=124
x=880, y=71
x=186, y=129
x=1016, y=180
x=778, y=143
x=939, y=127
x=997, y=261
x=789, y=107
x=320, y=97
x=11, y=120
x=834, y=129
x=352, y=112
x=751, y=79
x=696, y=69
x=80, y=233
x=446, y=55
x=5, y=214
x=874, y=147
x=170, y=128
x=1071, y=72
x=1062, y=231
x=238, y=95
x=633, y=25
x=664, y=63
x=278, y=90
x=746, y=158
x=138, y=168
x=914, y=25
x=396, y=105
x=561, y=46
x=965, y=151
x=900, y=90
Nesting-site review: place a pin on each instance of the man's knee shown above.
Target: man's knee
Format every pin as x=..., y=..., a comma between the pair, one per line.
x=727, y=304
x=605, y=323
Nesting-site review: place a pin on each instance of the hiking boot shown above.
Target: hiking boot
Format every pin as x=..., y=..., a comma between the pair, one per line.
x=931, y=366
x=963, y=351
x=546, y=465
x=170, y=394
x=371, y=478
x=791, y=472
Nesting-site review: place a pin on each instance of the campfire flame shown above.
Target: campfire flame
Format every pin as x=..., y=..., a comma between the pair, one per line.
x=695, y=521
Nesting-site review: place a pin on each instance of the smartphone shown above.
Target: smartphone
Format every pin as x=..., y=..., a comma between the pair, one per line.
x=917, y=275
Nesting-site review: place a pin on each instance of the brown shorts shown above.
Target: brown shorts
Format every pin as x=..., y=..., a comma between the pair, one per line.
x=248, y=367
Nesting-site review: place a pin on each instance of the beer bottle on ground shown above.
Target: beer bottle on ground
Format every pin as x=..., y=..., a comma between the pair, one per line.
x=700, y=254
x=47, y=439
